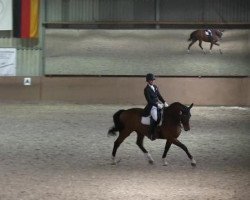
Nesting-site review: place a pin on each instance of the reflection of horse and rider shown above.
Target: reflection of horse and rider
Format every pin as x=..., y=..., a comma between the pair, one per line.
x=208, y=35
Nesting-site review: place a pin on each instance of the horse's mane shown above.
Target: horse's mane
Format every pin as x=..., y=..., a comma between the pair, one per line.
x=176, y=105
x=174, y=108
x=172, y=112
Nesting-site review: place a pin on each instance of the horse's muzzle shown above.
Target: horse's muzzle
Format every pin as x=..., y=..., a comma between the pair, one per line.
x=186, y=127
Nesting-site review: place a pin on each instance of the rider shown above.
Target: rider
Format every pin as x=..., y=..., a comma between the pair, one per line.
x=155, y=103
x=210, y=35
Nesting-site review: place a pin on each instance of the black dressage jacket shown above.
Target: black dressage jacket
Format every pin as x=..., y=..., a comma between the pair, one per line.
x=152, y=97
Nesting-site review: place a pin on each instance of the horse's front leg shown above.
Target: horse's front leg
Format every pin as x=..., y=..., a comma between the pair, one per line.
x=167, y=146
x=218, y=45
x=139, y=142
x=183, y=147
x=211, y=46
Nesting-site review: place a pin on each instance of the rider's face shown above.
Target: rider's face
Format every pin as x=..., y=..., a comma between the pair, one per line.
x=151, y=82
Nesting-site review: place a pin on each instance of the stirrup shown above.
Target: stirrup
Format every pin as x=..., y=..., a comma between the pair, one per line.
x=152, y=137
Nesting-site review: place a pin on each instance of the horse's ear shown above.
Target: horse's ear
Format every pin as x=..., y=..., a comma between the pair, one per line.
x=191, y=106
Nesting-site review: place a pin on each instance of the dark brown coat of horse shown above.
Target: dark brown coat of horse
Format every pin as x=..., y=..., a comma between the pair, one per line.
x=200, y=35
x=175, y=117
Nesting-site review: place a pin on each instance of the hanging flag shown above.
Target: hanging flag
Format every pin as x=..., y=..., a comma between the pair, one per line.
x=26, y=18
x=5, y=15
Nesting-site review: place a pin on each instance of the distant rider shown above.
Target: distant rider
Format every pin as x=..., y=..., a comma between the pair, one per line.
x=209, y=34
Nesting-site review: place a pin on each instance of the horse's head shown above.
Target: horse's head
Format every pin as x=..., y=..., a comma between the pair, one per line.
x=177, y=114
x=185, y=115
x=219, y=32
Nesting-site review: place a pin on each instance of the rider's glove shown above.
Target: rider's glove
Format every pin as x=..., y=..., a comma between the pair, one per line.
x=165, y=104
x=160, y=105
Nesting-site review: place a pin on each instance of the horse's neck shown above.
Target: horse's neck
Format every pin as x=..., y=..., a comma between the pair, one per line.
x=172, y=115
x=217, y=33
x=175, y=107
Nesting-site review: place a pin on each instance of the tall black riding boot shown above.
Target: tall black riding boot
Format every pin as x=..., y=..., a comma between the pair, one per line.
x=153, y=125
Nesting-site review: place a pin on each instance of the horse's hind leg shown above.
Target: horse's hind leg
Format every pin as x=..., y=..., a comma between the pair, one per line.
x=200, y=45
x=193, y=41
x=183, y=147
x=122, y=136
x=167, y=146
x=139, y=142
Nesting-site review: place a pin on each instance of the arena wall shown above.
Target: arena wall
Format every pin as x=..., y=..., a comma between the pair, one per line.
x=228, y=91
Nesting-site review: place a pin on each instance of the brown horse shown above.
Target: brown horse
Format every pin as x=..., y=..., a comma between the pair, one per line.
x=174, y=117
x=202, y=36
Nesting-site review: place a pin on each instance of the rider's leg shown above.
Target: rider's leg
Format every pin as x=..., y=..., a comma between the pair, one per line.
x=153, y=122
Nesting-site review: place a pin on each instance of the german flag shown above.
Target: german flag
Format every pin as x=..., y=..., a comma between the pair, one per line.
x=26, y=18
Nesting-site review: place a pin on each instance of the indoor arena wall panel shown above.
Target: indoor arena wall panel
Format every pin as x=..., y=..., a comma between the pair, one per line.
x=127, y=90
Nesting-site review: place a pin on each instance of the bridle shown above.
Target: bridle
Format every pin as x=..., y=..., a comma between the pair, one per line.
x=184, y=116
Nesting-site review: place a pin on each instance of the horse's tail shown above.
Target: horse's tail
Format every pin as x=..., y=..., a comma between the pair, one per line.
x=192, y=35
x=118, y=126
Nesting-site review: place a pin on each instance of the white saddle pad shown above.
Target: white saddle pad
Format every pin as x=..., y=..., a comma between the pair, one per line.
x=146, y=120
x=206, y=32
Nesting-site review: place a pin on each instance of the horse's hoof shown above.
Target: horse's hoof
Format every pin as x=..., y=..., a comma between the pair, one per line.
x=149, y=158
x=114, y=161
x=193, y=162
x=164, y=162
x=151, y=162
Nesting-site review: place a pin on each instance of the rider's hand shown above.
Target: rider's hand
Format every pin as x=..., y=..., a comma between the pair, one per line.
x=165, y=104
x=160, y=105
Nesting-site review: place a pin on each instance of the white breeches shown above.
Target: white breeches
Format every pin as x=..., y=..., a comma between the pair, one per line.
x=153, y=113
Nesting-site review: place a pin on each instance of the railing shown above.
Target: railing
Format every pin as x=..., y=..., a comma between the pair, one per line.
x=145, y=24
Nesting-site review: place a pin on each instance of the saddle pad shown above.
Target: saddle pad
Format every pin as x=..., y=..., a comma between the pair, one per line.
x=146, y=120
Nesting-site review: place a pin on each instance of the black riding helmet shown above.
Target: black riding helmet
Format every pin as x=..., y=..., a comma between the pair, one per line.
x=150, y=77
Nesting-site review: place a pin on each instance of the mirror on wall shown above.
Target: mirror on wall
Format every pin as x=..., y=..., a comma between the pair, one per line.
x=137, y=52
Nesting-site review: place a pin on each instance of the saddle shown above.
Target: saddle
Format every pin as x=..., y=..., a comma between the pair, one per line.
x=146, y=120
x=207, y=33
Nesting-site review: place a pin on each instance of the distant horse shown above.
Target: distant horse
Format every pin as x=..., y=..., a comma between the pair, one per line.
x=202, y=36
x=174, y=117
